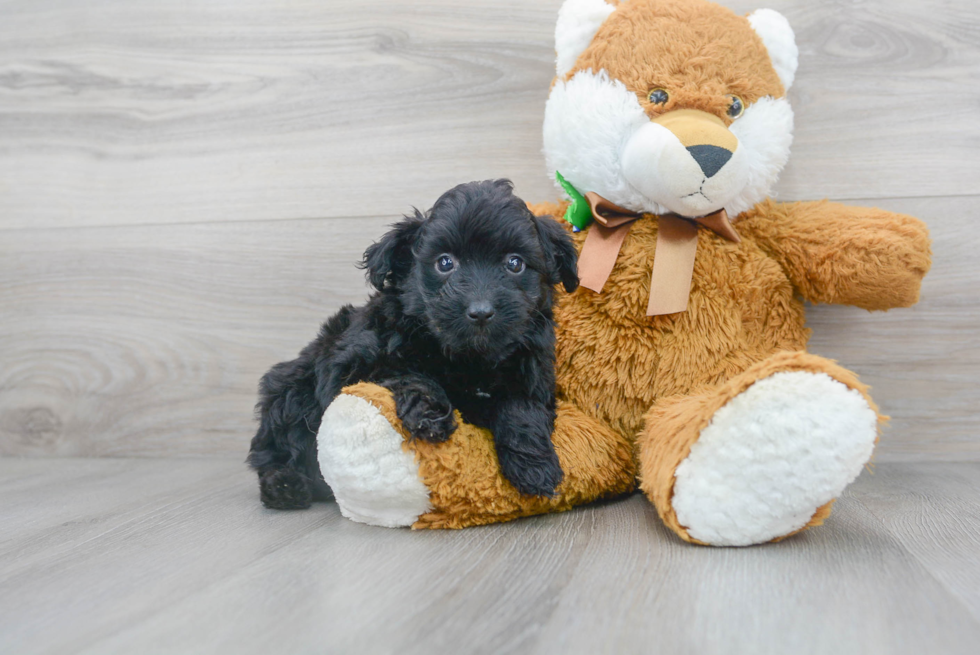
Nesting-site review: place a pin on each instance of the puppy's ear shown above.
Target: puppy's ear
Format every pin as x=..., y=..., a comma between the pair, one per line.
x=559, y=251
x=390, y=259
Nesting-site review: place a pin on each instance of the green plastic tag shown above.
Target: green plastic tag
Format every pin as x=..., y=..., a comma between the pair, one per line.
x=579, y=214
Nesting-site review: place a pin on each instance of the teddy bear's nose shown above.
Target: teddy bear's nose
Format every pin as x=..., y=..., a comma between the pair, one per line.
x=710, y=158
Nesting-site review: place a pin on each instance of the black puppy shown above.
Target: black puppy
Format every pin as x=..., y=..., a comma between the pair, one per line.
x=462, y=319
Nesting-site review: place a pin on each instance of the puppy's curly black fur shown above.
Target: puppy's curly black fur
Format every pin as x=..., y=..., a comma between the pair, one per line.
x=462, y=319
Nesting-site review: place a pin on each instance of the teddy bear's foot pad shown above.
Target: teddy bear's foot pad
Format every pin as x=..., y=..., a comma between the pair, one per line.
x=771, y=457
x=373, y=478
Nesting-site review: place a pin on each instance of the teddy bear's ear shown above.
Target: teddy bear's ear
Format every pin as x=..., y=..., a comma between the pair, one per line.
x=775, y=32
x=578, y=21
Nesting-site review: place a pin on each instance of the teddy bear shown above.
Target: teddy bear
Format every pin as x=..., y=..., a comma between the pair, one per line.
x=682, y=368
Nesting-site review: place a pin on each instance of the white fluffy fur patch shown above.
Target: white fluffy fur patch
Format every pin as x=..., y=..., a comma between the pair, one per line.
x=776, y=33
x=578, y=21
x=361, y=457
x=587, y=122
x=658, y=165
x=771, y=456
x=597, y=135
x=765, y=134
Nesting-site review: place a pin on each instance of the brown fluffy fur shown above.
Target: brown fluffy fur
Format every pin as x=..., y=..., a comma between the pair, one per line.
x=464, y=480
x=674, y=424
x=636, y=391
x=746, y=302
x=628, y=381
x=701, y=56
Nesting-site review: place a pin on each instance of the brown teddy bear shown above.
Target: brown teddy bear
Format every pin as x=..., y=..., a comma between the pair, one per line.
x=681, y=365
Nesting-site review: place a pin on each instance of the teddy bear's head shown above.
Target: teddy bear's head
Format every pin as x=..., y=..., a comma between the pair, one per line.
x=670, y=105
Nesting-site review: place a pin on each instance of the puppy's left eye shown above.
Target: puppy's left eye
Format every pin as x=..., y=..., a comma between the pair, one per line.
x=445, y=264
x=515, y=264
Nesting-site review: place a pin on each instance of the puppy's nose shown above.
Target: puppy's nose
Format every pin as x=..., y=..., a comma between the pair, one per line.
x=480, y=312
x=710, y=158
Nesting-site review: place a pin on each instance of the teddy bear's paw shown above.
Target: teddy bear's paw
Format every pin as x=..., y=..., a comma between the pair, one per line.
x=771, y=457
x=373, y=478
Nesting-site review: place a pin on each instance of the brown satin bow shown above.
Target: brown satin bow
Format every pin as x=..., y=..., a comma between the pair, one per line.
x=673, y=263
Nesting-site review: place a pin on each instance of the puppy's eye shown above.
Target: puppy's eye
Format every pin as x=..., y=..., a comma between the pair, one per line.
x=515, y=264
x=736, y=107
x=445, y=264
x=658, y=96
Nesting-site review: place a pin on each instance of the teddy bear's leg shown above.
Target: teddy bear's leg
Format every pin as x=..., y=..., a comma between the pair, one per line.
x=382, y=477
x=761, y=456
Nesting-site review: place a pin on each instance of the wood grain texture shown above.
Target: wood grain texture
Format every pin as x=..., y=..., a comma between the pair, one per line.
x=923, y=363
x=177, y=556
x=184, y=188
x=150, y=340
x=934, y=512
x=209, y=110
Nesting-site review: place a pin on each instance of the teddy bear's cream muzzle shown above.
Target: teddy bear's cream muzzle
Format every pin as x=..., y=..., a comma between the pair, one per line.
x=687, y=160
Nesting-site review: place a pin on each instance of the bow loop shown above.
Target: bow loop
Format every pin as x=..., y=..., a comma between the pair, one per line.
x=673, y=264
x=607, y=213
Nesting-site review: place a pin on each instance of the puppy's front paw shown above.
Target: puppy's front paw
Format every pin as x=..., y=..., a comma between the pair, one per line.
x=423, y=408
x=284, y=488
x=536, y=474
x=427, y=419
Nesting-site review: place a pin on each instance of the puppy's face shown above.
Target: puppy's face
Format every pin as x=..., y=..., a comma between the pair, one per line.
x=479, y=269
x=479, y=275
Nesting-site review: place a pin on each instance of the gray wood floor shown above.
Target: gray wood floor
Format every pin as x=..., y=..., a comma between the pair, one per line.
x=184, y=187
x=176, y=556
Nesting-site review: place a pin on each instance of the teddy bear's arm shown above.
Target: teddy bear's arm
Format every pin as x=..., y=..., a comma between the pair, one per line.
x=842, y=254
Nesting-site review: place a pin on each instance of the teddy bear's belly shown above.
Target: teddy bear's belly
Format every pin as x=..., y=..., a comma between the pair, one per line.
x=614, y=362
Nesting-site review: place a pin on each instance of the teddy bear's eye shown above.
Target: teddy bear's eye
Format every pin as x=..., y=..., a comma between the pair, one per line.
x=445, y=264
x=658, y=96
x=736, y=107
x=515, y=264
